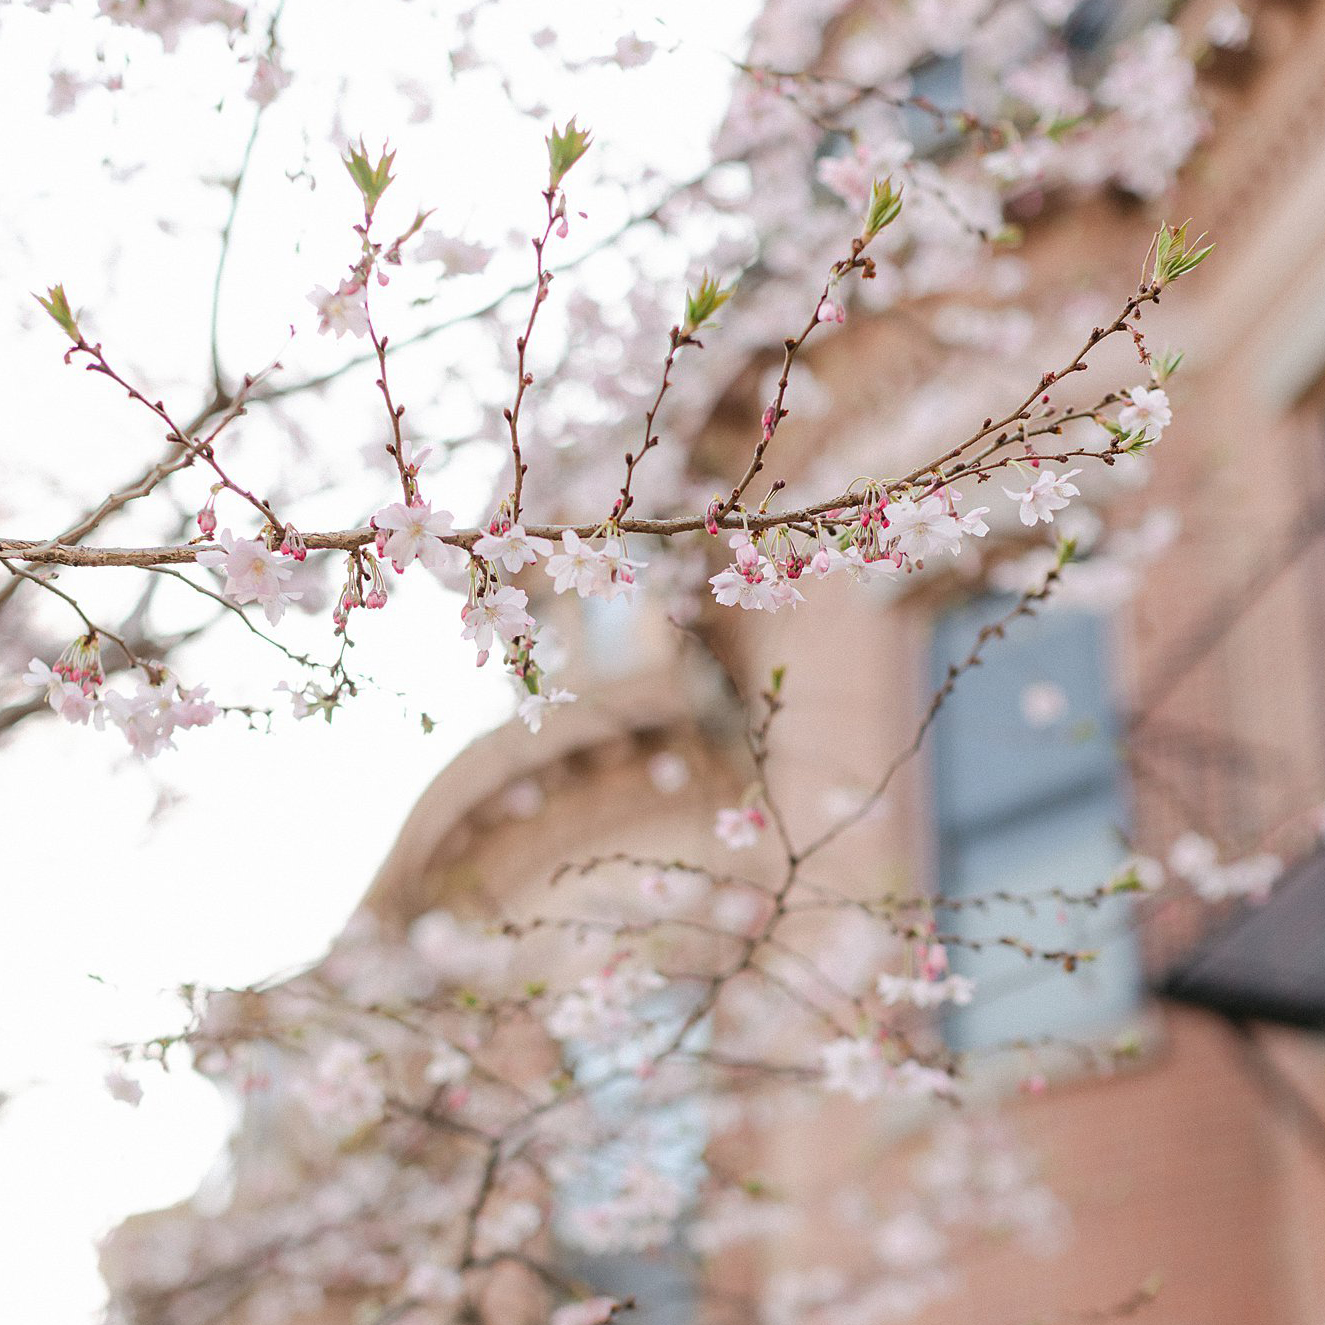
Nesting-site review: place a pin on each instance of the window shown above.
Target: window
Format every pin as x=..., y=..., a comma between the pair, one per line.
x=647, y=1140
x=1028, y=797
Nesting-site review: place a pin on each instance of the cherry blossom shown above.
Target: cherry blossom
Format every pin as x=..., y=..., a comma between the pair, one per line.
x=430, y=1282
x=447, y=1066
x=1042, y=703
x=923, y=528
x=344, y=309
x=498, y=613
x=1045, y=495
x=70, y=700
x=601, y=1007
x=254, y=573
x=149, y=717
x=123, y=1088
x=460, y=954
x=270, y=79
x=341, y=1091
x=533, y=707
x=577, y=566
x=458, y=257
x=512, y=547
x=1196, y=859
x=1148, y=414
x=926, y=993
x=415, y=530
x=510, y=1227
x=1229, y=28
x=640, y=1214
x=754, y=582
x=854, y=1067
x=620, y=569
x=739, y=828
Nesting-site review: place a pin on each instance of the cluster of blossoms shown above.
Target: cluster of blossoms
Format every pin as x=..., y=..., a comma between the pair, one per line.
x=1195, y=859
x=932, y=988
x=148, y=718
x=640, y=1214
x=603, y=1007
x=858, y=1066
x=602, y=572
x=885, y=537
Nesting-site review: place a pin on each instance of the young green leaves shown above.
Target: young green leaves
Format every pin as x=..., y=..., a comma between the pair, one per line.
x=57, y=305
x=1174, y=256
x=701, y=305
x=884, y=207
x=564, y=148
x=371, y=180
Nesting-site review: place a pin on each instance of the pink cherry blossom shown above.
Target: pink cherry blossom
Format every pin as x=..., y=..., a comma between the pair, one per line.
x=739, y=828
x=344, y=309
x=253, y=573
x=415, y=531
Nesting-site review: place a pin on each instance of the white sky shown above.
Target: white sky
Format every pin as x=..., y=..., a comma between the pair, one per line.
x=105, y=908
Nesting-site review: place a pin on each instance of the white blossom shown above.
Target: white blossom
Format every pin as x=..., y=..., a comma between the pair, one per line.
x=1047, y=494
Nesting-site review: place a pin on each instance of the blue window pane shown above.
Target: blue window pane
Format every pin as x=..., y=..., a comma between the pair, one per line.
x=1024, y=806
x=1073, y=846
x=989, y=761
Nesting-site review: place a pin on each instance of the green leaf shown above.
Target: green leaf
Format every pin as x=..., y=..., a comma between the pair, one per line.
x=371, y=180
x=1127, y=882
x=706, y=301
x=1174, y=255
x=56, y=304
x=1163, y=366
x=564, y=149
x=885, y=204
x=1067, y=551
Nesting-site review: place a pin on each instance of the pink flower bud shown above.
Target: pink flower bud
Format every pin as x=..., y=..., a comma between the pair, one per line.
x=711, y=517
x=934, y=961
x=482, y=658
x=563, y=229
x=207, y=521
x=376, y=598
